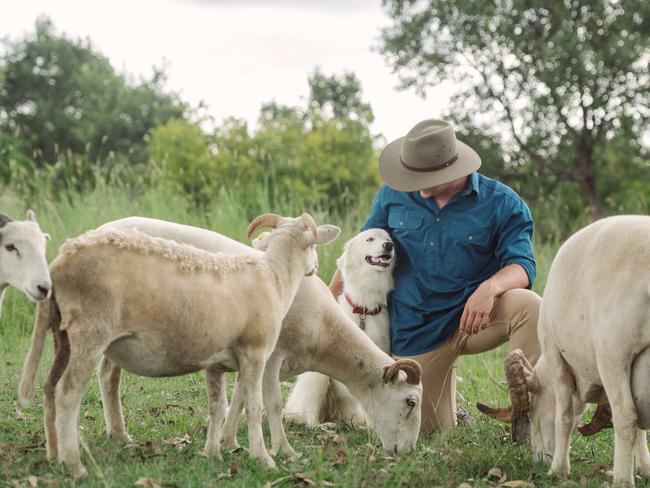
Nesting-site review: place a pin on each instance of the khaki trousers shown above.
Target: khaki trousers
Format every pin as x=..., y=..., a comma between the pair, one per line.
x=513, y=318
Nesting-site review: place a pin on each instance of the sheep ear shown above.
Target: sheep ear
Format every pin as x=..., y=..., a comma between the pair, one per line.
x=31, y=215
x=327, y=233
x=5, y=219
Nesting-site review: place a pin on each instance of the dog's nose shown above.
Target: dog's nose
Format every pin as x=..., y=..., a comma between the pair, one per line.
x=388, y=246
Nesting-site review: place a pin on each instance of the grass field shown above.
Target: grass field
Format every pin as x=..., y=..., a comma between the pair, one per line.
x=167, y=417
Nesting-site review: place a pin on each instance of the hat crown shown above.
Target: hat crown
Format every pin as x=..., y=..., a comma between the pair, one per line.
x=429, y=145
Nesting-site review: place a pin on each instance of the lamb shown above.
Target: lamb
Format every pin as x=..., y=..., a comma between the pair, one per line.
x=22, y=257
x=159, y=308
x=594, y=330
x=310, y=340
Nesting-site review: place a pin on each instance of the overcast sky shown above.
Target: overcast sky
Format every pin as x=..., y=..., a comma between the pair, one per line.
x=236, y=55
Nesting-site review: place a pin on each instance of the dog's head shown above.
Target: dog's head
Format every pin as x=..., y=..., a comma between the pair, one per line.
x=372, y=249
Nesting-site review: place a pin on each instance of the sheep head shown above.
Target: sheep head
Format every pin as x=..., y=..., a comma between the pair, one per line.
x=22, y=256
x=395, y=406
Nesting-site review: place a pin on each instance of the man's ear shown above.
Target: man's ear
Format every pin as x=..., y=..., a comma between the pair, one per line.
x=327, y=233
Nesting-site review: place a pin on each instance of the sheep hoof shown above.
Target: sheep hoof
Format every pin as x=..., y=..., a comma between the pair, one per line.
x=267, y=461
x=80, y=473
x=122, y=437
x=210, y=452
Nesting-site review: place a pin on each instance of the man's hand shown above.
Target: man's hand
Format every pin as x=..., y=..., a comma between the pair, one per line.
x=476, y=314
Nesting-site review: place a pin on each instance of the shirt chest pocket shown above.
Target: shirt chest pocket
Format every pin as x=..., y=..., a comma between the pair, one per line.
x=467, y=251
x=407, y=228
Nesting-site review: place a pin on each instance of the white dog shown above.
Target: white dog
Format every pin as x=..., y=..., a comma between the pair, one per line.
x=367, y=268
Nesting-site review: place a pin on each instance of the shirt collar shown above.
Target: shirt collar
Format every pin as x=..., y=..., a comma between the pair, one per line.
x=472, y=185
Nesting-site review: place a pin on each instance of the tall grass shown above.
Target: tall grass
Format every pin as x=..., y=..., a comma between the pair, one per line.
x=166, y=416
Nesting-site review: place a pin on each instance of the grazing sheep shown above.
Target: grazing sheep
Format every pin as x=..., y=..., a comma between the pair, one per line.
x=310, y=340
x=594, y=331
x=22, y=257
x=159, y=308
x=366, y=266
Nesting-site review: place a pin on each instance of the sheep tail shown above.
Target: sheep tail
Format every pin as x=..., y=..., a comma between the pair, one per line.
x=47, y=315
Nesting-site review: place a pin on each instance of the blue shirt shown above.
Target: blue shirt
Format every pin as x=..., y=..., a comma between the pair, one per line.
x=443, y=255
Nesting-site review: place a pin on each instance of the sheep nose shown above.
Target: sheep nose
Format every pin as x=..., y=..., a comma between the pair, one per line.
x=388, y=246
x=43, y=289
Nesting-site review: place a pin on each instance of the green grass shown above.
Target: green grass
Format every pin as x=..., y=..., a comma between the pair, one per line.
x=167, y=417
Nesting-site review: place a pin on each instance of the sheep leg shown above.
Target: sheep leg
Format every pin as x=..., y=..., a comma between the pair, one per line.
x=273, y=404
x=251, y=369
x=617, y=387
x=216, y=383
x=564, y=422
x=229, y=430
x=642, y=455
x=61, y=358
x=109, y=375
x=67, y=400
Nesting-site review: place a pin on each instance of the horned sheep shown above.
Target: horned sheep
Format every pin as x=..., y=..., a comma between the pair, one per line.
x=316, y=335
x=594, y=330
x=22, y=257
x=159, y=308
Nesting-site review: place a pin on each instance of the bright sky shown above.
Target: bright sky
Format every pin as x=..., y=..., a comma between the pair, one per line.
x=236, y=55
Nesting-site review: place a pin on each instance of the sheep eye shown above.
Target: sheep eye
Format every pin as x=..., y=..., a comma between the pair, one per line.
x=370, y=239
x=410, y=402
x=11, y=248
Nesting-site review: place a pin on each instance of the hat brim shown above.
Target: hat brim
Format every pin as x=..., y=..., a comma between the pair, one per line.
x=400, y=178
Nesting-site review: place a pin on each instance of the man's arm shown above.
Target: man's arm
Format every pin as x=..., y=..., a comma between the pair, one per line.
x=514, y=250
x=336, y=285
x=477, y=310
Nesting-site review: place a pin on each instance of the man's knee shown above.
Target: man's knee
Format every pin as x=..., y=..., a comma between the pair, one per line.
x=524, y=302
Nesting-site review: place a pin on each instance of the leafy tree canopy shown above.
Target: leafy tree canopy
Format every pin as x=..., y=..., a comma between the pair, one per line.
x=557, y=85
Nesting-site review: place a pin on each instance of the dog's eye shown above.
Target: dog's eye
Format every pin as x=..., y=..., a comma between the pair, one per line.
x=370, y=239
x=11, y=248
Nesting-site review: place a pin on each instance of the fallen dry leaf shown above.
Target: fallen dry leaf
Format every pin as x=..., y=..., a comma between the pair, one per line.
x=89, y=416
x=497, y=475
x=33, y=481
x=517, y=484
x=148, y=482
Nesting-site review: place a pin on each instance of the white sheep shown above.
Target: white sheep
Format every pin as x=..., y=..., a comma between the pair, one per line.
x=22, y=257
x=312, y=334
x=159, y=308
x=594, y=331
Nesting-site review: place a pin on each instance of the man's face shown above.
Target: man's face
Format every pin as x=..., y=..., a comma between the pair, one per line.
x=440, y=189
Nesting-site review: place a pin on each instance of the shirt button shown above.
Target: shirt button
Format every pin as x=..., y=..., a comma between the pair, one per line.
x=401, y=223
x=437, y=219
x=470, y=238
x=431, y=243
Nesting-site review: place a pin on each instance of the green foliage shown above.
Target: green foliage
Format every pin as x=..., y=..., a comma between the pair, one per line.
x=181, y=150
x=62, y=96
x=558, y=85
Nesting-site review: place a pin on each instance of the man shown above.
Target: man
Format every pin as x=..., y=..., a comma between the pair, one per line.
x=464, y=261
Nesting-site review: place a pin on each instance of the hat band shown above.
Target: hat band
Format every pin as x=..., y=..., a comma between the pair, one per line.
x=430, y=168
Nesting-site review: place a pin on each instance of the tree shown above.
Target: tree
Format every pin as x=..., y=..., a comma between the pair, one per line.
x=63, y=96
x=557, y=83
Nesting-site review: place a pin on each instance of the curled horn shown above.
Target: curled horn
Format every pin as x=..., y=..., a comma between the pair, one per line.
x=308, y=222
x=516, y=366
x=267, y=220
x=4, y=219
x=602, y=419
x=412, y=369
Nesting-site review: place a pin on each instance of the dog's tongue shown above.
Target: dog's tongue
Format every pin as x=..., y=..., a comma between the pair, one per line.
x=384, y=258
x=374, y=260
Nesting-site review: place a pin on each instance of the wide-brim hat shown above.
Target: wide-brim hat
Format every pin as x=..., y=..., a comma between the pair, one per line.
x=429, y=155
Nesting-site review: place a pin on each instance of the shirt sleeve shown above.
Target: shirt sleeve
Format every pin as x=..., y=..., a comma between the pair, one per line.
x=378, y=218
x=514, y=242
